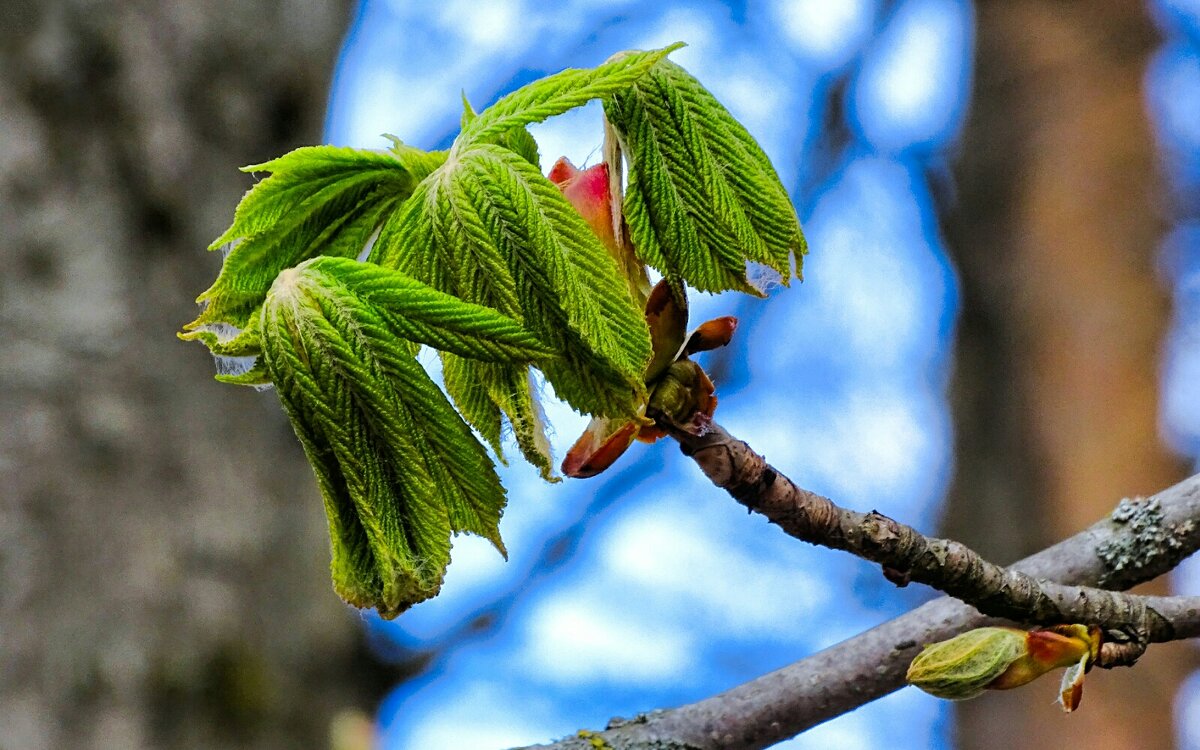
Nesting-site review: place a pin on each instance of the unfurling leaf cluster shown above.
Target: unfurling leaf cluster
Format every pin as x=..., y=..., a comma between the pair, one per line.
x=343, y=263
x=703, y=198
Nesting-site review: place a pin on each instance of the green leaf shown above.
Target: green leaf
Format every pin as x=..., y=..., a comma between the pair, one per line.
x=414, y=242
x=518, y=140
x=417, y=312
x=391, y=541
x=399, y=470
x=558, y=93
x=703, y=198
x=257, y=375
x=467, y=381
x=522, y=143
x=221, y=342
x=418, y=163
x=484, y=390
x=489, y=228
x=319, y=200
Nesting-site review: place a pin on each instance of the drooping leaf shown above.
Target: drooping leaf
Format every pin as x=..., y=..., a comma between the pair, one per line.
x=451, y=251
x=702, y=198
x=390, y=539
x=467, y=383
x=417, y=312
x=398, y=468
x=479, y=352
x=484, y=390
x=489, y=228
x=318, y=200
x=558, y=93
x=570, y=293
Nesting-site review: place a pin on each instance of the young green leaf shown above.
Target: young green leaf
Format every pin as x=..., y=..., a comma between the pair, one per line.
x=570, y=291
x=455, y=255
x=518, y=140
x=488, y=208
x=242, y=343
x=319, y=200
x=398, y=468
x=390, y=536
x=702, y=199
x=418, y=163
x=484, y=390
x=558, y=93
x=420, y=313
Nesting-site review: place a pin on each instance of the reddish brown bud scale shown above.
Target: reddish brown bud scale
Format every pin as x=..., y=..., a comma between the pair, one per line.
x=587, y=191
x=712, y=334
x=667, y=321
x=602, y=443
x=651, y=433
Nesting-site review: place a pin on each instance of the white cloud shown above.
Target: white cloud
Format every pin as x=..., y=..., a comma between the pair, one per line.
x=374, y=107
x=827, y=31
x=661, y=551
x=490, y=26
x=682, y=25
x=571, y=637
x=875, y=445
x=911, y=87
x=481, y=715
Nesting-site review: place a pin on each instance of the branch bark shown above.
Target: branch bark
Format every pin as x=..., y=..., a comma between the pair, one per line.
x=1138, y=542
x=948, y=566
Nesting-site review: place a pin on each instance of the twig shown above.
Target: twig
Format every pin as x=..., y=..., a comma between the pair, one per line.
x=1139, y=542
x=946, y=565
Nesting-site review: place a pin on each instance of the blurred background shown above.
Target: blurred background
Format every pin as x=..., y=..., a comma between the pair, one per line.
x=997, y=338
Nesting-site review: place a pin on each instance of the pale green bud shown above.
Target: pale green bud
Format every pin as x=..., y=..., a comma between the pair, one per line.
x=1003, y=658
x=965, y=665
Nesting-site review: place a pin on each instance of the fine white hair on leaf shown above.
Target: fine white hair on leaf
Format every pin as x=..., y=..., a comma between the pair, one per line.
x=237, y=366
x=366, y=251
x=233, y=365
x=763, y=277
x=225, y=364
x=224, y=331
x=228, y=247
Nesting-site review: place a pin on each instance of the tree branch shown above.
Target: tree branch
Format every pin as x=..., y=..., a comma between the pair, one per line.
x=1138, y=542
x=948, y=566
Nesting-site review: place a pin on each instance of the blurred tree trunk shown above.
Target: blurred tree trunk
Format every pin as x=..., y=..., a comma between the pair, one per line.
x=163, y=560
x=1055, y=231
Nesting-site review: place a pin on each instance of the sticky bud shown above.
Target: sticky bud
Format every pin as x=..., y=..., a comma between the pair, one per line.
x=679, y=389
x=685, y=397
x=589, y=192
x=999, y=658
x=965, y=665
